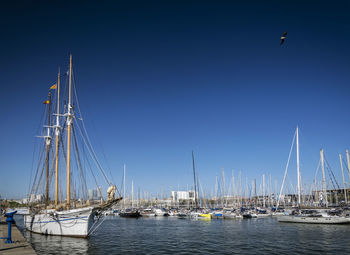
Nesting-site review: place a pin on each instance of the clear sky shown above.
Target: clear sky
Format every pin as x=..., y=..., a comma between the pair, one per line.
x=158, y=79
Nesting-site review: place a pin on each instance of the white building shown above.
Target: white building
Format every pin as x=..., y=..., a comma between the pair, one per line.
x=177, y=196
x=33, y=198
x=94, y=194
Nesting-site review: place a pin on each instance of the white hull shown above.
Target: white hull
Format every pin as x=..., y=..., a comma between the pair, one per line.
x=159, y=212
x=194, y=215
x=314, y=220
x=263, y=215
x=148, y=214
x=229, y=216
x=75, y=222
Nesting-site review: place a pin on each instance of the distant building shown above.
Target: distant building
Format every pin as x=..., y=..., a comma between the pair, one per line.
x=94, y=194
x=177, y=196
x=33, y=198
x=90, y=194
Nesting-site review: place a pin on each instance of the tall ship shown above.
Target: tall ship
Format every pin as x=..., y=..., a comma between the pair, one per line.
x=67, y=164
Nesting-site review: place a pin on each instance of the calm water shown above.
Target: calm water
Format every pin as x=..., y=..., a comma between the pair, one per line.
x=168, y=235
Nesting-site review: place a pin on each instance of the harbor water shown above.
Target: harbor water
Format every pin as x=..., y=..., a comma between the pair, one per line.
x=170, y=235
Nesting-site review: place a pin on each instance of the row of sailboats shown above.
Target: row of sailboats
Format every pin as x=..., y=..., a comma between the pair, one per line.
x=72, y=217
x=311, y=215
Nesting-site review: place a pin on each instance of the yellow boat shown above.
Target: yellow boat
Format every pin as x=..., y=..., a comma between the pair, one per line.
x=205, y=215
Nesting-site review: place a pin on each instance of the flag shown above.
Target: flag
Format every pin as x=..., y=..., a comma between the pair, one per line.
x=54, y=86
x=46, y=102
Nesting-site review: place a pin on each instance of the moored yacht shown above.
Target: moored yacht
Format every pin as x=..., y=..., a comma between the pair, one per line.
x=314, y=217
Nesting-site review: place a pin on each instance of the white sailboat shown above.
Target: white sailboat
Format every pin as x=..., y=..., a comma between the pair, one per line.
x=65, y=219
x=314, y=217
x=75, y=222
x=310, y=216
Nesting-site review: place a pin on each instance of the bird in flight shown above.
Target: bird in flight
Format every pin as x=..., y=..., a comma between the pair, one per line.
x=283, y=37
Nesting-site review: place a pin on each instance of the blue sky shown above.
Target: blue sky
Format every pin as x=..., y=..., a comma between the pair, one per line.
x=159, y=79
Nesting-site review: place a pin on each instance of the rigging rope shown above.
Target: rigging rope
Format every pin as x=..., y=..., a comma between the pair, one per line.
x=285, y=171
x=88, y=143
x=41, y=123
x=331, y=174
x=79, y=161
x=93, y=155
x=315, y=178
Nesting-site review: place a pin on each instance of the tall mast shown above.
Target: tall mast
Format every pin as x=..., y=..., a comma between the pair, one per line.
x=132, y=194
x=252, y=203
x=138, y=198
x=324, y=187
x=298, y=168
x=240, y=187
x=223, y=187
x=216, y=191
x=263, y=189
x=195, y=182
x=57, y=138
x=348, y=161
x=69, y=127
x=48, y=142
x=255, y=194
x=342, y=173
x=124, y=186
x=247, y=196
x=270, y=191
x=233, y=189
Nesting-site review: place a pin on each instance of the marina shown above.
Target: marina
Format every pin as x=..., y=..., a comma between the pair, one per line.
x=175, y=127
x=169, y=235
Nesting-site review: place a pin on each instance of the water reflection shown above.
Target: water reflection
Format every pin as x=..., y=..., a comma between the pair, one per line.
x=169, y=235
x=53, y=244
x=57, y=245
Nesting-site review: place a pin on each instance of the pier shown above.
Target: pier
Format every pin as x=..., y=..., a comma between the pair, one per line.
x=19, y=245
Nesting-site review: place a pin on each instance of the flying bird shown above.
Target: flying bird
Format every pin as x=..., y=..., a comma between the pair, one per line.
x=283, y=37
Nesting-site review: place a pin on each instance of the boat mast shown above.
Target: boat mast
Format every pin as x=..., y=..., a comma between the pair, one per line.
x=48, y=142
x=246, y=193
x=233, y=189
x=132, y=194
x=222, y=188
x=270, y=191
x=348, y=161
x=69, y=127
x=255, y=194
x=57, y=138
x=124, y=185
x=298, y=169
x=240, y=188
x=324, y=188
x=263, y=190
x=216, y=191
x=342, y=173
x=195, y=185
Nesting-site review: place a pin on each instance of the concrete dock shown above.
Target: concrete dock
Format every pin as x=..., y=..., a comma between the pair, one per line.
x=20, y=245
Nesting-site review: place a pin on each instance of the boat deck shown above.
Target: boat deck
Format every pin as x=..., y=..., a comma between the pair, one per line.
x=20, y=245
